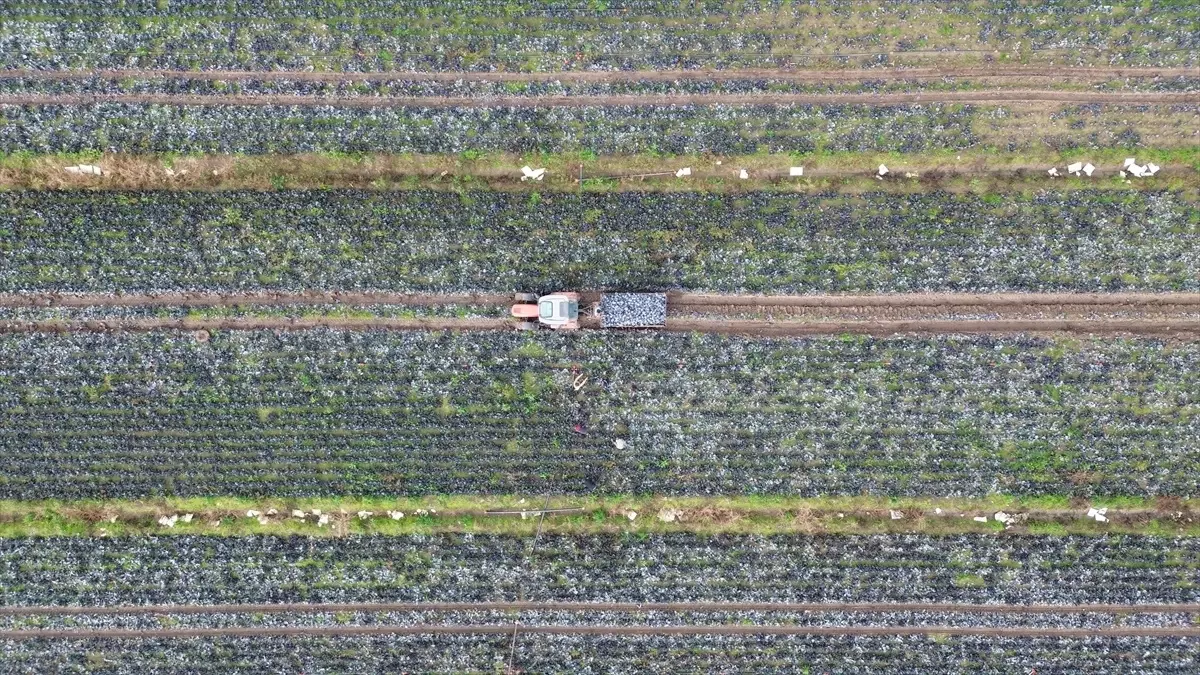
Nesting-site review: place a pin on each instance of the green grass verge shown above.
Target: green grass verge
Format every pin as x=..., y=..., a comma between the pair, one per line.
x=978, y=171
x=227, y=516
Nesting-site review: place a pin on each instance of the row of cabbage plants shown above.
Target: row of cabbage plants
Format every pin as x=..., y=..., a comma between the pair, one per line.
x=503, y=242
x=344, y=413
x=374, y=35
x=401, y=86
x=606, y=654
x=329, y=617
x=129, y=128
x=1051, y=16
x=677, y=567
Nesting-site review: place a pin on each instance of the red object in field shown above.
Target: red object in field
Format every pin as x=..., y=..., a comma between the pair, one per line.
x=525, y=311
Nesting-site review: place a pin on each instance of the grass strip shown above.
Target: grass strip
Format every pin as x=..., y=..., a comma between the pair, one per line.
x=231, y=516
x=977, y=171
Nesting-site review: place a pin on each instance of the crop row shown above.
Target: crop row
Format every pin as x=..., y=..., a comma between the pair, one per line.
x=339, y=413
x=503, y=242
x=624, y=129
x=188, y=569
x=479, y=617
x=1053, y=16
x=684, y=129
x=131, y=128
x=606, y=654
x=374, y=35
x=415, y=86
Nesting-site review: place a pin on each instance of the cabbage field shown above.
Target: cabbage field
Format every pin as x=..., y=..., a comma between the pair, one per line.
x=335, y=413
x=208, y=570
x=599, y=654
x=677, y=129
x=683, y=567
x=485, y=35
x=760, y=242
x=921, y=393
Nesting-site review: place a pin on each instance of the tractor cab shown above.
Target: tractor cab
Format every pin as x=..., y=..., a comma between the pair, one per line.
x=559, y=311
x=555, y=310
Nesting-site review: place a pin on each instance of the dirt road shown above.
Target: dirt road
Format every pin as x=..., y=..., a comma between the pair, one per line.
x=990, y=300
x=1168, y=314
x=1182, y=328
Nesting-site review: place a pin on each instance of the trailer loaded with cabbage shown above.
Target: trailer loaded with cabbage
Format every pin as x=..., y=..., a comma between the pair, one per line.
x=560, y=311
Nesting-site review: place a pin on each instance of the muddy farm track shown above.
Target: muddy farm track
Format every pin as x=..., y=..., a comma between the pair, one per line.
x=1176, y=314
x=618, y=100
x=997, y=75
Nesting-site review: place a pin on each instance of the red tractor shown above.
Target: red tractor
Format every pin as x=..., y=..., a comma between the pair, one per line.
x=558, y=311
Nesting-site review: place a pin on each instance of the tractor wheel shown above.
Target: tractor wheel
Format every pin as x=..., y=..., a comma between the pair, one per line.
x=527, y=325
x=526, y=297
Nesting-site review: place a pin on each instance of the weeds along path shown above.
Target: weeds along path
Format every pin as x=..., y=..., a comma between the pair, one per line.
x=507, y=629
x=997, y=96
x=637, y=174
x=1015, y=74
x=586, y=607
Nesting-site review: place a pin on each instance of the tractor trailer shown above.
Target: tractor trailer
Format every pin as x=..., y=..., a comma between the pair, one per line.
x=560, y=311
